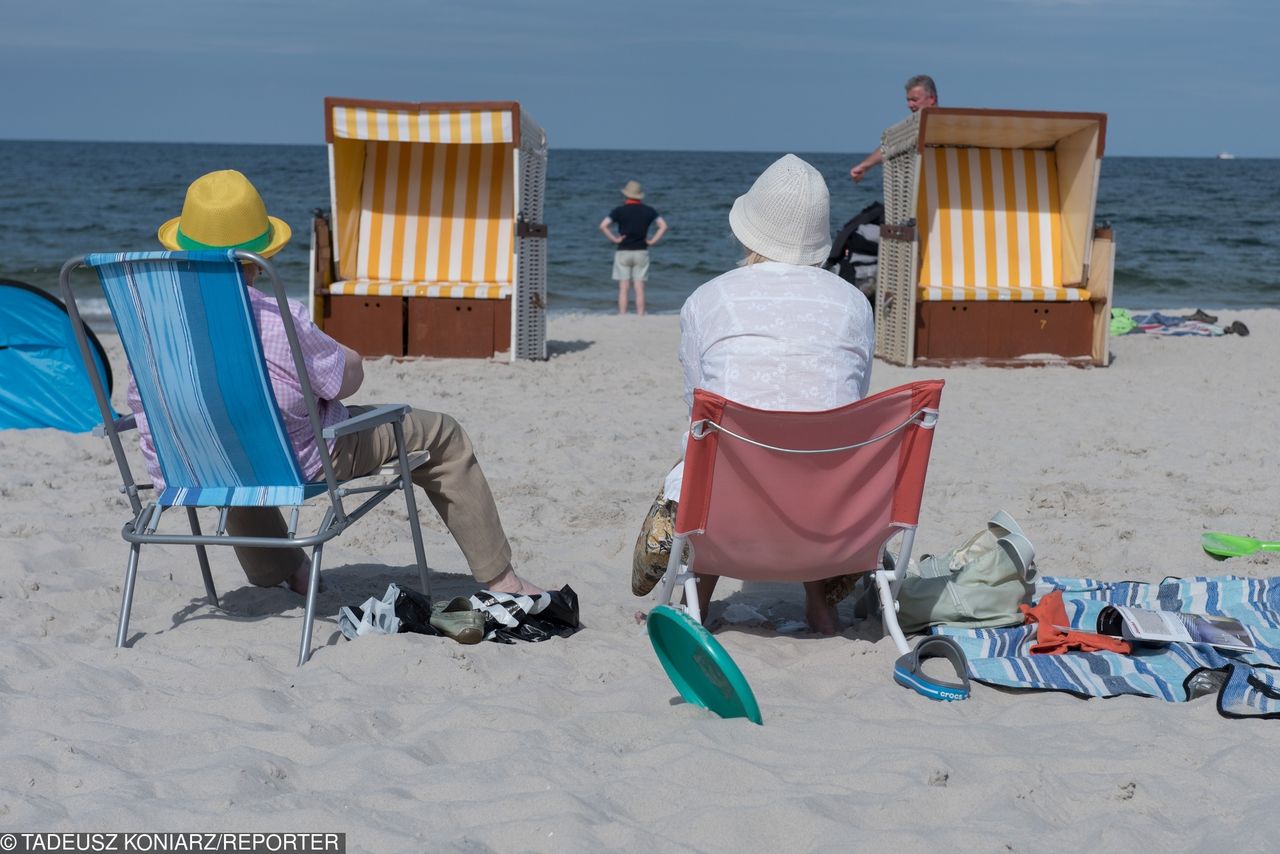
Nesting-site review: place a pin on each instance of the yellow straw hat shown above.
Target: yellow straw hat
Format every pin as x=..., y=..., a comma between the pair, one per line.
x=633, y=190
x=224, y=211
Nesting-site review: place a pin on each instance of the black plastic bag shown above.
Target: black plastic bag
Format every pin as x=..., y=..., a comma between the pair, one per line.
x=414, y=610
x=559, y=619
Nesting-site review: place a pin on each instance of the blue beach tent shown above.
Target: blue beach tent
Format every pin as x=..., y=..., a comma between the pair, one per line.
x=42, y=378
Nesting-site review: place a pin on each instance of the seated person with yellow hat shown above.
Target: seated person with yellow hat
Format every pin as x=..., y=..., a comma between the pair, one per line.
x=223, y=210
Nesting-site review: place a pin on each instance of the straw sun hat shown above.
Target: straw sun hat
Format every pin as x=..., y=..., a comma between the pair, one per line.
x=224, y=211
x=786, y=214
x=633, y=190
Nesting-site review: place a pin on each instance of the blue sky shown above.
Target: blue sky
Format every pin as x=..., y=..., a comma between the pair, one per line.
x=1177, y=78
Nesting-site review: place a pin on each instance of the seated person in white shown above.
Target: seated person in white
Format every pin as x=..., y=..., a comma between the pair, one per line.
x=778, y=332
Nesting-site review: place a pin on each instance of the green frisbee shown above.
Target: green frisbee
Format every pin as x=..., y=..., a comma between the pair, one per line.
x=699, y=667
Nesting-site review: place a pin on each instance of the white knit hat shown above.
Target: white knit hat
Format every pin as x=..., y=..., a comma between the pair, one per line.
x=786, y=215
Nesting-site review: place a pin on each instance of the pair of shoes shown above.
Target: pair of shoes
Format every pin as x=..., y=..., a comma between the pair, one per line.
x=907, y=671
x=410, y=611
x=1200, y=316
x=1236, y=328
x=456, y=619
x=374, y=617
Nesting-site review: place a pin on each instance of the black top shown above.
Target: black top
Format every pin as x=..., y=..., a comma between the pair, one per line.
x=633, y=224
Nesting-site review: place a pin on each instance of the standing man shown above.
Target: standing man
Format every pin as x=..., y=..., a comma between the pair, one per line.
x=920, y=93
x=631, y=260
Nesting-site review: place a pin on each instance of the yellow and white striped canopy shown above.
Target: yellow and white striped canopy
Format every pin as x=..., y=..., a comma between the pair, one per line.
x=436, y=214
x=990, y=225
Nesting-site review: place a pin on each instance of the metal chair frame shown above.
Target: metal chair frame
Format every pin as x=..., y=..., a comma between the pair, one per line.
x=886, y=577
x=142, y=528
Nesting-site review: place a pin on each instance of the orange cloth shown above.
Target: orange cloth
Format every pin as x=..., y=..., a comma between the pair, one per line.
x=1050, y=613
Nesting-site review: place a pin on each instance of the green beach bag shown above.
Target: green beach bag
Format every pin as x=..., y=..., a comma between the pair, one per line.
x=978, y=585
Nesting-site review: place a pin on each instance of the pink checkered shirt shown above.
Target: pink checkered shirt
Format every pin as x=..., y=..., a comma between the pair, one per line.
x=324, y=360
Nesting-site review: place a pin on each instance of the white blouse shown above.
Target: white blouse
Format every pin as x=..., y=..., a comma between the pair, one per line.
x=776, y=336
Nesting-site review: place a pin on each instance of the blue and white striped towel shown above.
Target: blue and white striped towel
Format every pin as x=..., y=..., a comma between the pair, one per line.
x=1252, y=687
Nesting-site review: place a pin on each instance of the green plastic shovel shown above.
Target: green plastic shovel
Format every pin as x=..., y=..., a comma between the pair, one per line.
x=1231, y=545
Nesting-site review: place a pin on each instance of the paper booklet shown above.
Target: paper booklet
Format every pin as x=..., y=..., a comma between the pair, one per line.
x=1141, y=624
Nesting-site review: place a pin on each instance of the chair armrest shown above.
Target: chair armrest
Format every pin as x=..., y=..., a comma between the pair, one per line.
x=384, y=414
x=123, y=423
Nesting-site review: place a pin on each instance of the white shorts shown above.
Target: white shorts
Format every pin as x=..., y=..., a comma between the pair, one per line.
x=631, y=264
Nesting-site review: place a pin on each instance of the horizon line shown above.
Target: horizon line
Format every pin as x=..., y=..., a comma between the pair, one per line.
x=1210, y=156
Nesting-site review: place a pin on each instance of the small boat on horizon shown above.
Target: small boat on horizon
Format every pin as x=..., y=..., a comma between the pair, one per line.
x=1226, y=155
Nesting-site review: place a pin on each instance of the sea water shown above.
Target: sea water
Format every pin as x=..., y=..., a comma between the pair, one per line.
x=1189, y=232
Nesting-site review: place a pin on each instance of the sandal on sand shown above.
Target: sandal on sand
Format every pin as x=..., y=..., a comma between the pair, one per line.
x=1237, y=328
x=908, y=673
x=454, y=619
x=458, y=620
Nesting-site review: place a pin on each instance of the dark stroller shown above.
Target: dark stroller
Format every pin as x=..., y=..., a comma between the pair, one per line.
x=855, y=250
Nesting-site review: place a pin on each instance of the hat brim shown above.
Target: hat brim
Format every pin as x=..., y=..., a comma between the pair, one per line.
x=637, y=196
x=281, y=234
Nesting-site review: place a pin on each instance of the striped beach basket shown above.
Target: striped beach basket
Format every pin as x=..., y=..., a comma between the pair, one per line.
x=990, y=252
x=434, y=243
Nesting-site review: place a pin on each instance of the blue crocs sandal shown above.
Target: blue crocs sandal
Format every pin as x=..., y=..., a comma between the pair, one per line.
x=907, y=672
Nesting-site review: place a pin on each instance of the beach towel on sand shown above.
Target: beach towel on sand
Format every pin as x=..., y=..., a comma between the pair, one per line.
x=1247, y=683
x=1156, y=323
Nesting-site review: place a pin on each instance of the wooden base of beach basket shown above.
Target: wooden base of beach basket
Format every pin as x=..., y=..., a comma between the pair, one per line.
x=458, y=328
x=370, y=325
x=1004, y=332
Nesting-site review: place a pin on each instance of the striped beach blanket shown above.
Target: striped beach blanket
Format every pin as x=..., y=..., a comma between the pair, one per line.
x=1247, y=684
x=1163, y=324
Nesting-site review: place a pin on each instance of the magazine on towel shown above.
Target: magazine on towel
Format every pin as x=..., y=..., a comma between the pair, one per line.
x=1141, y=624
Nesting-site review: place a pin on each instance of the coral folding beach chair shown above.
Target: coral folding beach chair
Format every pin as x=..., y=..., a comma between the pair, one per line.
x=188, y=331
x=989, y=251
x=803, y=496
x=435, y=244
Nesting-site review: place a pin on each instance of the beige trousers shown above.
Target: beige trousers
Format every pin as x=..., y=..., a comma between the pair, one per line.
x=452, y=480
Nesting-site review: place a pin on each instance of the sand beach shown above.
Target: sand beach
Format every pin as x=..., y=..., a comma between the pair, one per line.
x=414, y=743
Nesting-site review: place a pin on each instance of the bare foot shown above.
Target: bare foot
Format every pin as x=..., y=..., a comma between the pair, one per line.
x=823, y=621
x=300, y=581
x=821, y=616
x=509, y=582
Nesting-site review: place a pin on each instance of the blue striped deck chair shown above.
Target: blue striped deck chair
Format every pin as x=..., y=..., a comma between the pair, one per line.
x=187, y=327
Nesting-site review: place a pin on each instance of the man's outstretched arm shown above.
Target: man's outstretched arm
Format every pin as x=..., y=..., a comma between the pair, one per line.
x=859, y=172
